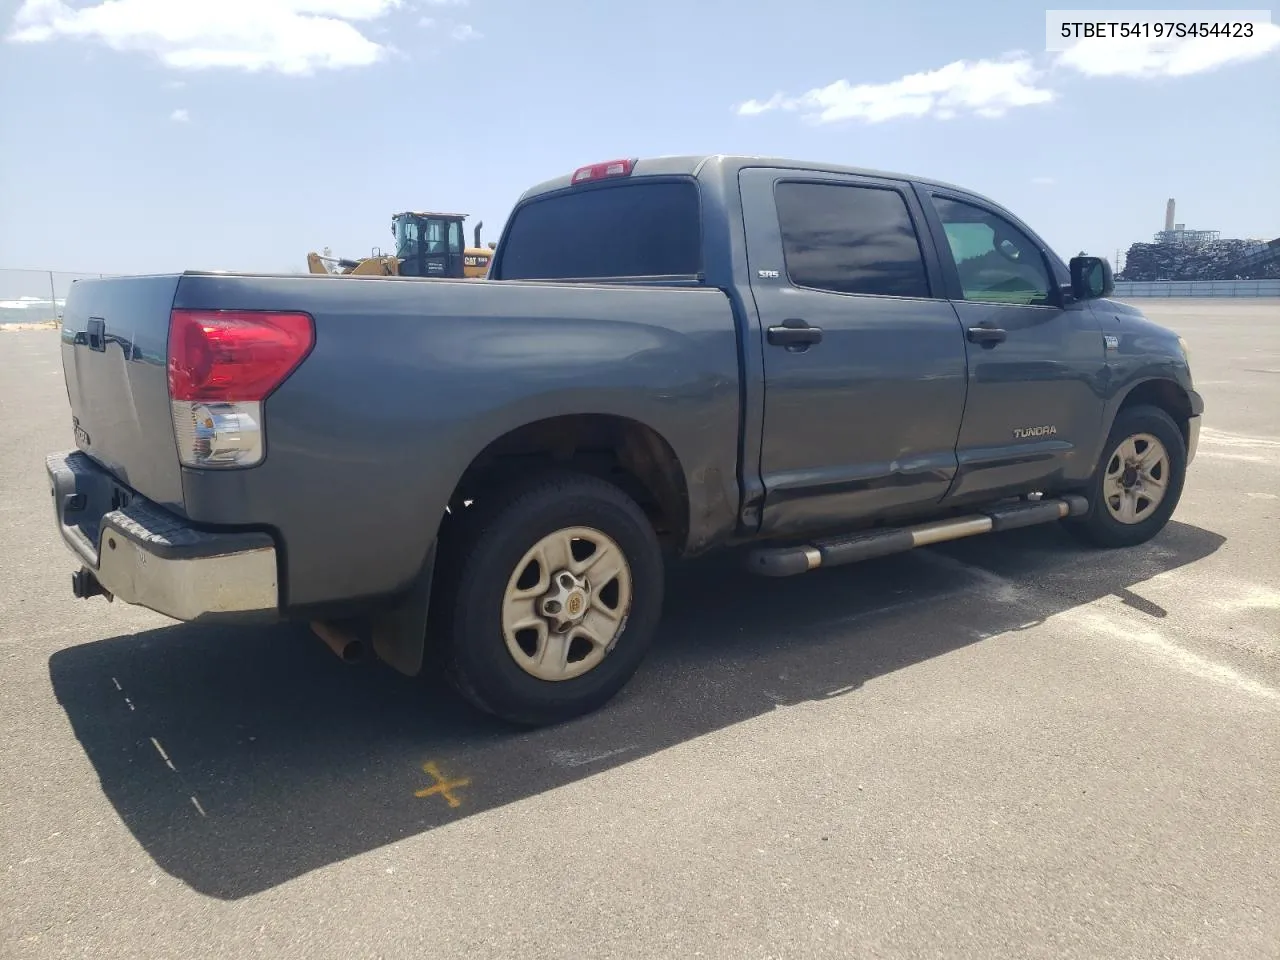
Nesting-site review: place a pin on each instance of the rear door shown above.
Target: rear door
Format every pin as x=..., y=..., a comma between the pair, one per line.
x=1037, y=364
x=864, y=362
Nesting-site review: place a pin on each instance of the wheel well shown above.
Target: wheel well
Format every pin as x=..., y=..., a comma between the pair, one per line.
x=1166, y=395
x=624, y=452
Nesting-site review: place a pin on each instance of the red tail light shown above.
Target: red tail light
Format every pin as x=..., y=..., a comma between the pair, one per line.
x=602, y=171
x=231, y=356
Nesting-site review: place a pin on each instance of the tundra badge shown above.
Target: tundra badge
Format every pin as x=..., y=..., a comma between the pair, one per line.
x=1023, y=433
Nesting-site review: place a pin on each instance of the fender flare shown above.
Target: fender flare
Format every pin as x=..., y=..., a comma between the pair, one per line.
x=1195, y=404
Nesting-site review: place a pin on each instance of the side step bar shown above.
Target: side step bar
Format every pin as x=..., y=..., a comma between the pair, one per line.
x=834, y=552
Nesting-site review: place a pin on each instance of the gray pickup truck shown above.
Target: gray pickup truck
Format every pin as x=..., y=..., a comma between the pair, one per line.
x=814, y=363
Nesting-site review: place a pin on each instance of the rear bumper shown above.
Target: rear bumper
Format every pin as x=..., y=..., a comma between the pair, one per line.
x=145, y=555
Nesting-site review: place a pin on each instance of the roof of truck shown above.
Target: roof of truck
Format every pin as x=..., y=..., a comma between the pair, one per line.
x=689, y=165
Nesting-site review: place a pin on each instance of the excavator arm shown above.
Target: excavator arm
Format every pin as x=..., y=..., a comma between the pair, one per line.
x=384, y=266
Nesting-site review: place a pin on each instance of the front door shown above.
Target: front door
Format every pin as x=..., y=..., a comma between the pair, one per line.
x=1037, y=363
x=864, y=359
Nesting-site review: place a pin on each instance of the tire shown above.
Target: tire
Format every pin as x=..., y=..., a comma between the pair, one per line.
x=496, y=667
x=1106, y=525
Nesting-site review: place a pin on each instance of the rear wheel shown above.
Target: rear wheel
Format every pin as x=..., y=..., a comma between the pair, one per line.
x=1138, y=481
x=553, y=596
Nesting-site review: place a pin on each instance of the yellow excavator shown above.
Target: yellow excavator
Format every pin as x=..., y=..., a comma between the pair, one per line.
x=427, y=245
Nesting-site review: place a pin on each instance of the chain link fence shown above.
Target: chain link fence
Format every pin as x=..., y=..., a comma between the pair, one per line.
x=35, y=296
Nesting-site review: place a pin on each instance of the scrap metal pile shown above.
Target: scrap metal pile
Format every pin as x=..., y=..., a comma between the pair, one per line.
x=1212, y=260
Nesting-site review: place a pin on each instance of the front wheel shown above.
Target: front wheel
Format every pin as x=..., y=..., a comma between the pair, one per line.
x=1138, y=481
x=554, y=599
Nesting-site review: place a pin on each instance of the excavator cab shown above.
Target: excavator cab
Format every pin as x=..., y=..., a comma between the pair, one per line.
x=429, y=244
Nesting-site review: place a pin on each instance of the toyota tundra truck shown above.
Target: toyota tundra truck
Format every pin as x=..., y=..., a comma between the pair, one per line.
x=809, y=363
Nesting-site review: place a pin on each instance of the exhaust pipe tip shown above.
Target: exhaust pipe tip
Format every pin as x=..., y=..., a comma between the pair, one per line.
x=347, y=648
x=352, y=652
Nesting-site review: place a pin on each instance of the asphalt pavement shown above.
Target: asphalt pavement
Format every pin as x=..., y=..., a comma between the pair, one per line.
x=1008, y=746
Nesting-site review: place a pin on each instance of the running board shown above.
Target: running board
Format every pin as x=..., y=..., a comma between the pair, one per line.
x=834, y=552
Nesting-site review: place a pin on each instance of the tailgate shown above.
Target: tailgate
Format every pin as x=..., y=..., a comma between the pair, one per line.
x=114, y=358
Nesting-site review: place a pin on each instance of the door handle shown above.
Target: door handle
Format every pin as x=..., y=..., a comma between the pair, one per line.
x=794, y=333
x=987, y=336
x=96, y=334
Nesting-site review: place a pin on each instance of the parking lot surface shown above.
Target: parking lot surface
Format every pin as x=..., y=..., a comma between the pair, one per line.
x=1007, y=746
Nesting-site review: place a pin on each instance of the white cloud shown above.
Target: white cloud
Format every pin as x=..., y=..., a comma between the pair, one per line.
x=988, y=88
x=755, y=107
x=1147, y=59
x=288, y=36
x=446, y=3
x=1044, y=181
x=181, y=115
x=458, y=31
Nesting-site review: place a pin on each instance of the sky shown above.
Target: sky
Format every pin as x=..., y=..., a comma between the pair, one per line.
x=161, y=135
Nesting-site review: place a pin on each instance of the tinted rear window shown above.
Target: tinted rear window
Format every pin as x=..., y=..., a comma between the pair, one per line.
x=637, y=229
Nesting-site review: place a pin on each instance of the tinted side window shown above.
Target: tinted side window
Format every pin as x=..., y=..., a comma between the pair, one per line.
x=996, y=261
x=636, y=229
x=850, y=239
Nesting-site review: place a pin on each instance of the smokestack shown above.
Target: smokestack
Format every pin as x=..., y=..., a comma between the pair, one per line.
x=1168, y=215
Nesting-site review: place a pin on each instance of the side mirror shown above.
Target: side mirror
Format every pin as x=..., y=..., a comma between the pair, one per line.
x=1091, y=278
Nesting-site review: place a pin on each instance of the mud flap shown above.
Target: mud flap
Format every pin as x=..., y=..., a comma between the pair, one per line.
x=399, y=634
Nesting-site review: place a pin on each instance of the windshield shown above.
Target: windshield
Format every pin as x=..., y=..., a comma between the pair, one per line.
x=433, y=237
x=406, y=233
